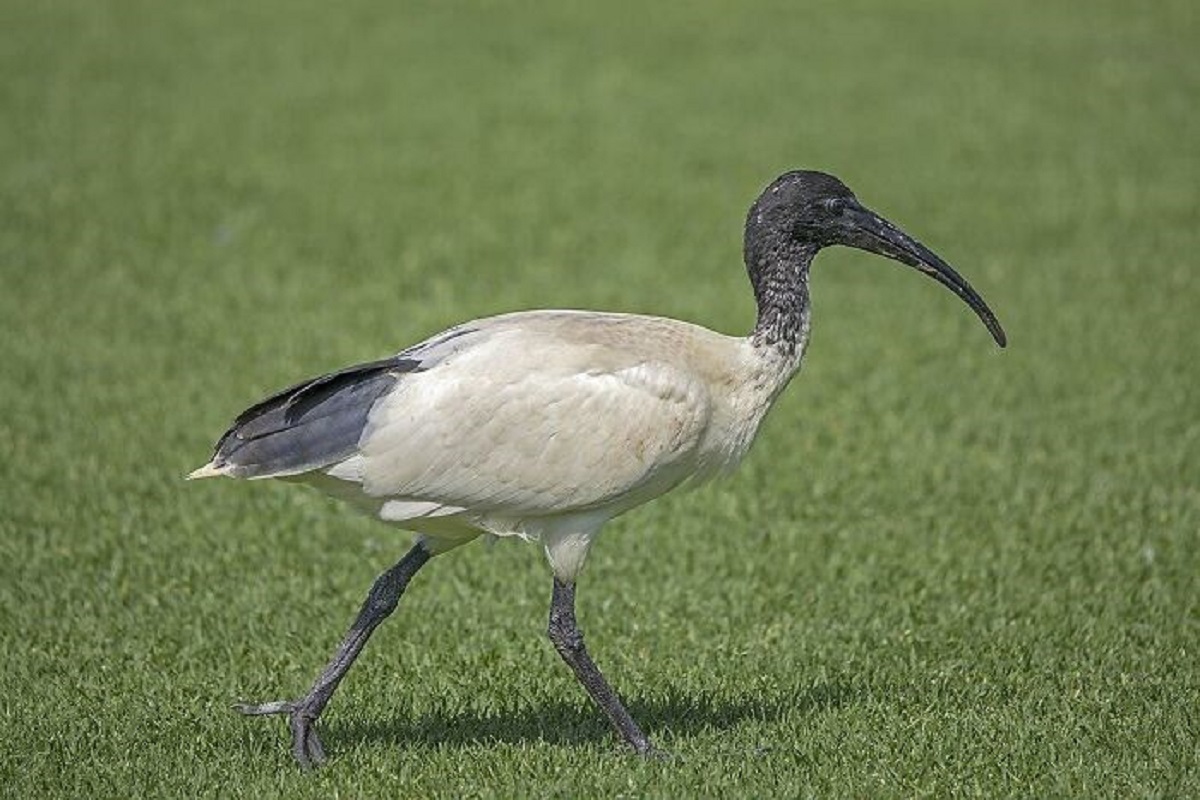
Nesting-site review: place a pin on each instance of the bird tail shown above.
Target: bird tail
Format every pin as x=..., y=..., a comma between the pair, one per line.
x=209, y=470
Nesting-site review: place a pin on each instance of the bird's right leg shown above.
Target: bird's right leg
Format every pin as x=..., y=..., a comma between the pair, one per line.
x=568, y=641
x=303, y=713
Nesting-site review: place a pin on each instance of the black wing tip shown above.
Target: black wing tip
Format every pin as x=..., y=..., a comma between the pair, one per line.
x=307, y=425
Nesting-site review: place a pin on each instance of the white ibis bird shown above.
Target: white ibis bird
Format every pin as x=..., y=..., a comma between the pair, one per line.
x=547, y=424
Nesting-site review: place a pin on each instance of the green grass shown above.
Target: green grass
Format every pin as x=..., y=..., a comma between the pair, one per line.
x=944, y=569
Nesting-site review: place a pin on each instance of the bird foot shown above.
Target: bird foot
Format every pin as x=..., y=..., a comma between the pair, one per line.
x=306, y=744
x=651, y=752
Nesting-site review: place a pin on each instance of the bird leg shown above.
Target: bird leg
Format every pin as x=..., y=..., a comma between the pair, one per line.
x=568, y=641
x=303, y=713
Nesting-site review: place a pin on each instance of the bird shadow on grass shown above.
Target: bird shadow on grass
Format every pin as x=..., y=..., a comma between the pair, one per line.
x=677, y=713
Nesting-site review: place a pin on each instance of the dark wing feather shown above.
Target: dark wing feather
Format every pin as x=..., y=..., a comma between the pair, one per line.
x=310, y=425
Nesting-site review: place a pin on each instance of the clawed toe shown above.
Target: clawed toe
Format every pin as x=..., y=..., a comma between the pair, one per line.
x=263, y=709
x=658, y=754
x=306, y=744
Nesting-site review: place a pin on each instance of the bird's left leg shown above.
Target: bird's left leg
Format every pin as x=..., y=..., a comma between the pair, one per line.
x=568, y=641
x=303, y=713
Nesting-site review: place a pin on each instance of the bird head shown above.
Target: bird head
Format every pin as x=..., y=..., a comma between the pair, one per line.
x=803, y=211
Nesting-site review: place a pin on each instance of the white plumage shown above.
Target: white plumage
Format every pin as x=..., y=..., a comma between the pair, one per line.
x=547, y=423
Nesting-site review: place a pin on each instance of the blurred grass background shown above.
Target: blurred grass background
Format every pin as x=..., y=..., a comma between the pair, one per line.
x=945, y=569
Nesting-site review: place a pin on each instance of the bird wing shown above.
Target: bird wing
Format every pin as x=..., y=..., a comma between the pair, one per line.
x=318, y=422
x=540, y=417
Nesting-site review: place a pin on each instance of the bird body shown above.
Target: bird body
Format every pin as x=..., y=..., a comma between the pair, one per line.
x=547, y=424
x=542, y=425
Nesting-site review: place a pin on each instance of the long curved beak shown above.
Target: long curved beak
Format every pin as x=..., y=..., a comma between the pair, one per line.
x=866, y=230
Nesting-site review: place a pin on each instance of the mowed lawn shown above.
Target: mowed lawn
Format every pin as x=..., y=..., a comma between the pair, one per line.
x=944, y=569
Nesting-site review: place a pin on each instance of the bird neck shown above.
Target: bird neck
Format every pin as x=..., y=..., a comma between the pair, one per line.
x=779, y=275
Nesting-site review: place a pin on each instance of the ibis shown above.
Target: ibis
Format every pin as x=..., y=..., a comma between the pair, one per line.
x=545, y=425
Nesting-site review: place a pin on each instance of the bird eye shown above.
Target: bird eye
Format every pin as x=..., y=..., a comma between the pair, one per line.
x=835, y=206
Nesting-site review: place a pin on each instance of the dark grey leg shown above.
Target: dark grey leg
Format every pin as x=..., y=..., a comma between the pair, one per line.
x=568, y=641
x=303, y=713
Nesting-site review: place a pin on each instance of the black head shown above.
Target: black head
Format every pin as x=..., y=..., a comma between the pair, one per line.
x=803, y=211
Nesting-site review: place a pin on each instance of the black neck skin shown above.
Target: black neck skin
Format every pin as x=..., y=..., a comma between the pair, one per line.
x=778, y=269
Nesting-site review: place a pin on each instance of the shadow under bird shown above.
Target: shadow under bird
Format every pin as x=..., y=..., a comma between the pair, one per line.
x=547, y=424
